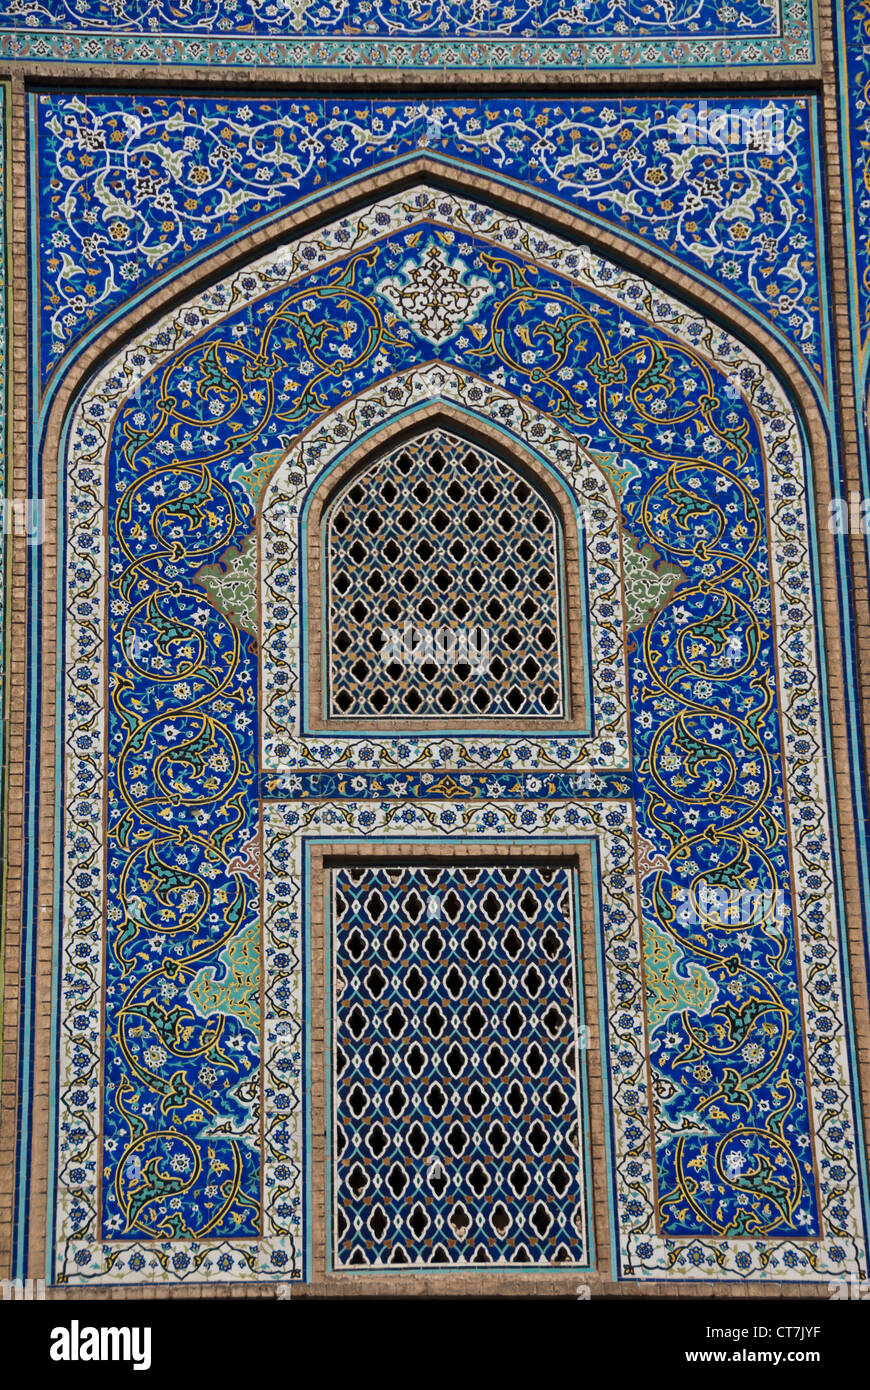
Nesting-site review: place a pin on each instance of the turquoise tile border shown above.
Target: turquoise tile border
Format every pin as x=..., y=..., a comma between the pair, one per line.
x=552, y=35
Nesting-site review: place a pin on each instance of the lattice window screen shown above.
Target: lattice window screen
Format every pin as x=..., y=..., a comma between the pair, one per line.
x=444, y=588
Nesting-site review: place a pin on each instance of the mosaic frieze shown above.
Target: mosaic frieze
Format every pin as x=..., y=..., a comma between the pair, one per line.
x=387, y=33
x=457, y=1094
x=446, y=786
x=131, y=187
x=746, y=1137
x=854, y=35
x=854, y=73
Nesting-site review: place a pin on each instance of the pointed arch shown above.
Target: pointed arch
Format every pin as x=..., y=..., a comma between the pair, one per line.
x=429, y=170
x=565, y=609
x=656, y=1256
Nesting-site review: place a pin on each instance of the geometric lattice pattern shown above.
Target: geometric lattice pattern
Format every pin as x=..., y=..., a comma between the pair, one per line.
x=457, y=1124
x=441, y=534
x=730, y=1104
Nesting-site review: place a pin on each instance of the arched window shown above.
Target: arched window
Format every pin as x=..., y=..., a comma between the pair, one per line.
x=445, y=593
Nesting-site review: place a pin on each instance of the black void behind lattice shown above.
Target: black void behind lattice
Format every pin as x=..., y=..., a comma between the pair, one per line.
x=456, y=1085
x=444, y=588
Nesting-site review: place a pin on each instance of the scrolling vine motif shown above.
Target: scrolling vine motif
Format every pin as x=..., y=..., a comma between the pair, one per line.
x=132, y=186
x=856, y=67
x=409, y=34
x=630, y=375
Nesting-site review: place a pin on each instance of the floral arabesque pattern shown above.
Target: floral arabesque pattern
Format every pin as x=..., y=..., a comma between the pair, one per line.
x=396, y=33
x=130, y=187
x=705, y=721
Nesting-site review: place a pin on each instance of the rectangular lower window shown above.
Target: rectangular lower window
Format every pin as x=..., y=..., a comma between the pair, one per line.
x=456, y=1090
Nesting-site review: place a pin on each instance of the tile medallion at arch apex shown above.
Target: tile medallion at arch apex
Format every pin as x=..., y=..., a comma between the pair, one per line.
x=754, y=1163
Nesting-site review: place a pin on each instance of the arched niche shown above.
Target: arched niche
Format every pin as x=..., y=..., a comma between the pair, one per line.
x=559, y=475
